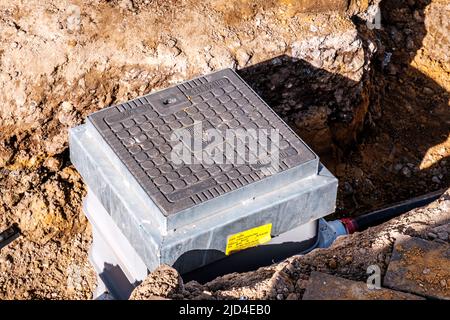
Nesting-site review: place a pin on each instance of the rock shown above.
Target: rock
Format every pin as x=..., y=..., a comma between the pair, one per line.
x=53, y=164
x=418, y=266
x=292, y=296
x=427, y=91
x=301, y=284
x=443, y=235
x=242, y=57
x=406, y=172
x=392, y=69
x=432, y=235
x=281, y=282
x=437, y=41
x=332, y=263
x=348, y=189
x=436, y=179
x=417, y=16
x=323, y=286
x=348, y=259
x=164, y=282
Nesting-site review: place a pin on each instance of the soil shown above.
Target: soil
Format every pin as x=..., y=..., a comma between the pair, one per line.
x=374, y=104
x=405, y=149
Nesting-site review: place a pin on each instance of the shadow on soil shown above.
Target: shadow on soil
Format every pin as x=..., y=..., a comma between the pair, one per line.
x=414, y=119
x=378, y=158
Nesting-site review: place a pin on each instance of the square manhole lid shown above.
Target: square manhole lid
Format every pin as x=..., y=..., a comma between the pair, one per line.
x=220, y=114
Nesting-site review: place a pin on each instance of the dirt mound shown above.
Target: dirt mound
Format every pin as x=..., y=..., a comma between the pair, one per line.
x=163, y=282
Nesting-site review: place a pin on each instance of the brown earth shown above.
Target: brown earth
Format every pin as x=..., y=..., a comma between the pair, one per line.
x=380, y=124
x=405, y=149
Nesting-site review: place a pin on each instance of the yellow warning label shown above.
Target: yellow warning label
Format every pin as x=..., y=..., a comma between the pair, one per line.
x=248, y=238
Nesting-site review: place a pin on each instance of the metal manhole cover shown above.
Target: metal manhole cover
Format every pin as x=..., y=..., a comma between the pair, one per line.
x=144, y=132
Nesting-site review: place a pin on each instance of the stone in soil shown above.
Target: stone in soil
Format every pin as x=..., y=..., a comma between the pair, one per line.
x=163, y=282
x=421, y=267
x=323, y=286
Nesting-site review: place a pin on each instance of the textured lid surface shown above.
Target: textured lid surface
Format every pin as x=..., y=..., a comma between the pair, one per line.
x=143, y=133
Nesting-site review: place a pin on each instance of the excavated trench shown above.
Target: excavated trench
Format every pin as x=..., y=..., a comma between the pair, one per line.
x=373, y=103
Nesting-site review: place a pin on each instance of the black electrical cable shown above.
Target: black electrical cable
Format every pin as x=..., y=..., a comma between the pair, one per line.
x=382, y=215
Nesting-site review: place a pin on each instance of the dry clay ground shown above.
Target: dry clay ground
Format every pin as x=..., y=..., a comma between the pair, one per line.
x=61, y=60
